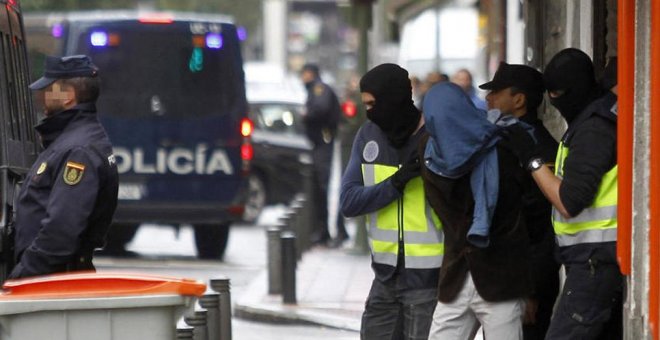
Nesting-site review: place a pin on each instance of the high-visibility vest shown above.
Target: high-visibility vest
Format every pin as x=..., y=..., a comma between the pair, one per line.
x=410, y=218
x=596, y=223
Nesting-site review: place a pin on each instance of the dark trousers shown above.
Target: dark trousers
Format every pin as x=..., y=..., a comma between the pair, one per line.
x=322, y=157
x=392, y=312
x=591, y=303
x=547, y=288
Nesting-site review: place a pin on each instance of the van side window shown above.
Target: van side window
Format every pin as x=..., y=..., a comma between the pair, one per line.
x=12, y=87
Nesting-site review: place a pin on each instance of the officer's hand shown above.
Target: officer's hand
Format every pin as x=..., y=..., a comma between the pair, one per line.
x=408, y=171
x=516, y=139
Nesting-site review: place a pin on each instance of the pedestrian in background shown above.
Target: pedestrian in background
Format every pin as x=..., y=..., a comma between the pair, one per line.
x=583, y=193
x=382, y=181
x=66, y=203
x=321, y=120
x=463, y=78
x=517, y=90
x=476, y=187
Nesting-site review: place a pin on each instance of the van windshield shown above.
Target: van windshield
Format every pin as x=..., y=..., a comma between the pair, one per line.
x=164, y=69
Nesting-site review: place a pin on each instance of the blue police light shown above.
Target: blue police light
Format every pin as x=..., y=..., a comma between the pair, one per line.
x=99, y=39
x=242, y=33
x=57, y=30
x=214, y=40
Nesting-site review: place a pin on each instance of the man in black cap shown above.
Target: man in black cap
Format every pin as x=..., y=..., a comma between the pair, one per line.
x=382, y=181
x=66, y=204
x=518, y=90
x=583, y=193
x=321, y=120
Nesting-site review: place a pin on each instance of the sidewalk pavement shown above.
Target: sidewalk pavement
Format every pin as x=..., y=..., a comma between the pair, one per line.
x=331, y=288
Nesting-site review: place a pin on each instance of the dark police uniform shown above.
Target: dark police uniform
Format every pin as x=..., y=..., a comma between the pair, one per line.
x=66, y=203
x=323, y=113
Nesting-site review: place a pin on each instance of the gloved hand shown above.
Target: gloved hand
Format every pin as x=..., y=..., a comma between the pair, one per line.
x=518, y=140
x=406, y=172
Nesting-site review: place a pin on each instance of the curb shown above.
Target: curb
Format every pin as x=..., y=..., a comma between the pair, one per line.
x=256, y=305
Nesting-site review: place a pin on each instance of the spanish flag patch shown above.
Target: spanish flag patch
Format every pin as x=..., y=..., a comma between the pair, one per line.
x=73, y=172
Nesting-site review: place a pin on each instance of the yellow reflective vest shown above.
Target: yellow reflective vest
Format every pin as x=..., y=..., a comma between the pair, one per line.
x=596, y=223
x=410, y=218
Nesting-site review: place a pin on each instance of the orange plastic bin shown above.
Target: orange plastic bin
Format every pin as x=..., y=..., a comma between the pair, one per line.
x=99, y=306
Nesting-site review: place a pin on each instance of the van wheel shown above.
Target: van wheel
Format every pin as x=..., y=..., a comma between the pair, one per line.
x=118, y=237
x=256, y=199
x=211, y=240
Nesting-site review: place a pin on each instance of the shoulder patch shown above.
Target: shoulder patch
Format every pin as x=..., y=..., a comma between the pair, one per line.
x=42, y=168
x=73, y=173
x=370, y=151
x=318, y=89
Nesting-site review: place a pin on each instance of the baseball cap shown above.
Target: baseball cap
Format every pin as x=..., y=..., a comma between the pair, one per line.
x=521, y=76
x=64, y=68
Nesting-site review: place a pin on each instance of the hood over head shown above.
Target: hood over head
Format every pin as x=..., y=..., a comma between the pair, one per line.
x=460, y=132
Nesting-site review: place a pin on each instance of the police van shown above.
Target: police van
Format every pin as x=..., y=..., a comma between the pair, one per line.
x=173, y=103
x=18, y=147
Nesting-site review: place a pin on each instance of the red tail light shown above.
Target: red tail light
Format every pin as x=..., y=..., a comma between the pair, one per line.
x=247, y=152
x=349, y=108
x=246, y=127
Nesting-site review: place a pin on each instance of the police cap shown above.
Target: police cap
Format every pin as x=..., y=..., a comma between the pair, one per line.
x=522, y=77
x=64, y=68
x=311, y=67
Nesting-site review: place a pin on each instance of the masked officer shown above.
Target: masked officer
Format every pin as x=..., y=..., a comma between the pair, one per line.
x=321, y=120
x=66, y=203
x=583, y=192
x=518, y=90
x=382, y=181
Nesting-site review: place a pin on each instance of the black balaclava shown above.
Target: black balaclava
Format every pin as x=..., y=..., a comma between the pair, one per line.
x=571, y=71
x=608, y=80
x=393, y=111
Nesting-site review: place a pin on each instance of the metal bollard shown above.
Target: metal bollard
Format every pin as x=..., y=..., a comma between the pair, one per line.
x=211, y=302
x=296, y=225
x=304, y=230
x=288, y=240
x=184, y=333
x=285, y=220
x=221, y=286
x=274, y=260
x=198, y=321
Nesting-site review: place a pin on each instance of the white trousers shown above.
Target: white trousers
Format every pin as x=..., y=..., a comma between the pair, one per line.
x=460, y=319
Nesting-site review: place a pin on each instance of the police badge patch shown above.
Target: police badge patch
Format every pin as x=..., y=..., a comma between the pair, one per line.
x=370, y=151
x=318, y=90
x=73, y=172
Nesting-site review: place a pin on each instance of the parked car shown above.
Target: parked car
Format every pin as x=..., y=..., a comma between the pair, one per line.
x=280, y=145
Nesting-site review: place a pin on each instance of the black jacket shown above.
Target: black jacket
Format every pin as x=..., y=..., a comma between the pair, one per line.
x=500, y=271
x=323, y=113
x=591, y=138
x=66, y=204
x=538, y=218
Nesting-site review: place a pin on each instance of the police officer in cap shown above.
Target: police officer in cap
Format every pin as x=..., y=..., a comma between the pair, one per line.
x=66, y=204
x=321, y=120
x=518, y=90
